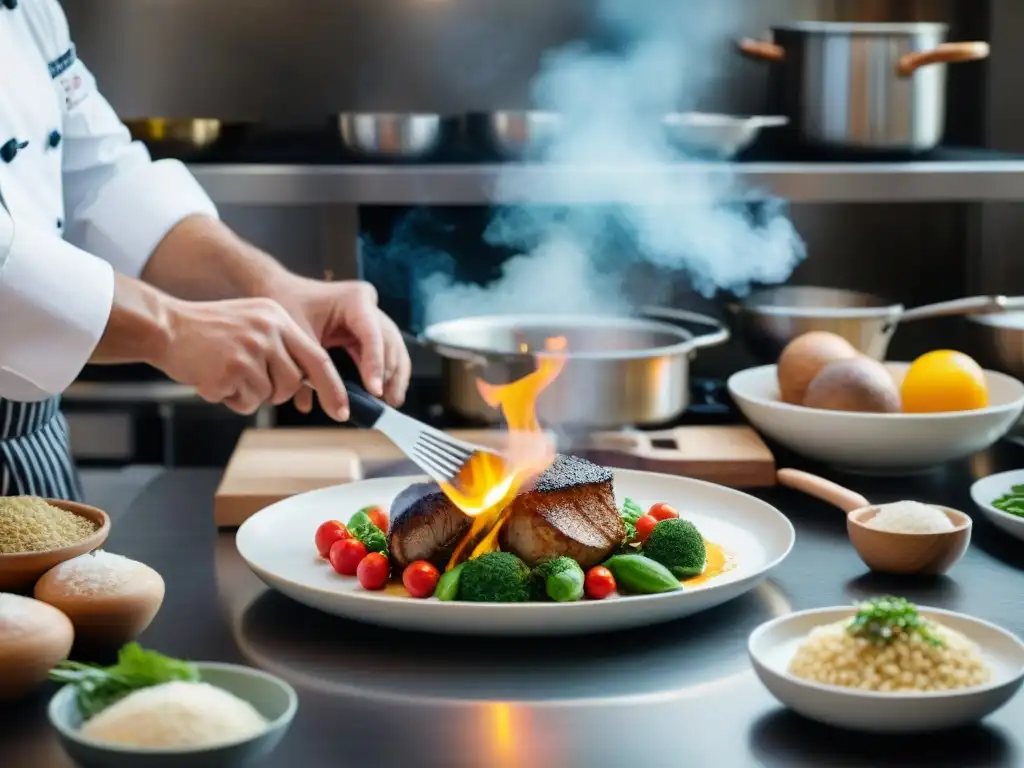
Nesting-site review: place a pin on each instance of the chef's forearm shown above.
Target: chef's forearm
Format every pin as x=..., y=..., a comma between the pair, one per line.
x=201, y=259
x=139, y=328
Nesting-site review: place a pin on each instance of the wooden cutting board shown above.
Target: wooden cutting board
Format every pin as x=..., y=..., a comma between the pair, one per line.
x=271, y=464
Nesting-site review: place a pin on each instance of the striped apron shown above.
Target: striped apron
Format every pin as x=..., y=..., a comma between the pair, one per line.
x=35, y=451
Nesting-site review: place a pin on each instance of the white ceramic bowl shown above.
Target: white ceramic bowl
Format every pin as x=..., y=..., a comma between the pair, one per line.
x=877, y=443
x=986, y=490
x=773, y=645
x=271, y=696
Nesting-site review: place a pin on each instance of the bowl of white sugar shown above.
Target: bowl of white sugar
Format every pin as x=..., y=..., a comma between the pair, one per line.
x=234, y=717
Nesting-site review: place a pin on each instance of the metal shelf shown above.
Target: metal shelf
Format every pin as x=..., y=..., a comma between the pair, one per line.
x=482, y=184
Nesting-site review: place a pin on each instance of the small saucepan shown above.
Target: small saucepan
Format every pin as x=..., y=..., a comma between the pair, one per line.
x=768, y=320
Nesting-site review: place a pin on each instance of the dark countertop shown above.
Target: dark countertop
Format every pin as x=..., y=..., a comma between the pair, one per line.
x=674, y=695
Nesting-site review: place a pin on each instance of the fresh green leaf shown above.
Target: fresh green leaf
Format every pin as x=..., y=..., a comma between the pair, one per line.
x=99, y=687
x=373, y=538
x=631, y=511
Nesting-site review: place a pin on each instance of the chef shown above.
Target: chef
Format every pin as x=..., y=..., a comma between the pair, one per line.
x=109, y=257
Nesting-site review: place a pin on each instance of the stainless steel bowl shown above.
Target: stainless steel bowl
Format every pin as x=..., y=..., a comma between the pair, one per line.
x=196, y=133
x=391, y=134
x=719, y=135
x=514, y=133
x=768, y=320
x=619, y=371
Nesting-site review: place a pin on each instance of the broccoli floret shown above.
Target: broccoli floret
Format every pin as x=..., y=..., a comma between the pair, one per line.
x=560, y=579
x=497, y=577
x=678, y=545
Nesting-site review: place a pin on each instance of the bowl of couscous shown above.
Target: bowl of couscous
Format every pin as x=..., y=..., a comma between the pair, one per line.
x=887, y=666
x=37, y=534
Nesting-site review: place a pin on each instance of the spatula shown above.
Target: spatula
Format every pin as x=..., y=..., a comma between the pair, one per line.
x=438, y=454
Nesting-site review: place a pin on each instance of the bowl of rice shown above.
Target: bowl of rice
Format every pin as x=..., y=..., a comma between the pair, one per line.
x=234, y=717
x=886, y=666
x=37, y=534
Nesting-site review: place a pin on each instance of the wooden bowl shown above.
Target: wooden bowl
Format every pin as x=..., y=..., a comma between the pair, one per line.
x=909, y=553
x=924, y=554
x=19, y=573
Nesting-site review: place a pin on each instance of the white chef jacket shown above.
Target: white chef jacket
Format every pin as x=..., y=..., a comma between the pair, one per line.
x=73, y=213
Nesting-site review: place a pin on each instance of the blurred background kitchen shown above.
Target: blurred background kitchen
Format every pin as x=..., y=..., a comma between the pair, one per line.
x=276, y=75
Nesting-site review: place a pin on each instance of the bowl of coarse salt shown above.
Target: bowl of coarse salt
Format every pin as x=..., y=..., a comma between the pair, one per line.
x=235, y=717
x=109, y=598
x=904, y=537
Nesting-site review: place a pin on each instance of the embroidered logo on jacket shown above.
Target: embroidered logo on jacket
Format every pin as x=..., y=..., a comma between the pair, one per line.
x=60, y=65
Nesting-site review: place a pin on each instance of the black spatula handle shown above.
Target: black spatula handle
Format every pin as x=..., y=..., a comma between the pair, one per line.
x=364, y=408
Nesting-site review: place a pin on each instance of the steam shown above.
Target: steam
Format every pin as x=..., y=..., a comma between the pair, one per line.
x=676, y=225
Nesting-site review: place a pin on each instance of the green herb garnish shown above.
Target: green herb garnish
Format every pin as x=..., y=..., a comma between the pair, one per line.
x=1012, y=502
x=884, y=619
x=362, y=527
x=631, y=512
x=99, y=687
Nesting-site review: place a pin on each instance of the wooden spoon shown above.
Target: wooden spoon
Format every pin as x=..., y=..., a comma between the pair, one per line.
x=885, y=551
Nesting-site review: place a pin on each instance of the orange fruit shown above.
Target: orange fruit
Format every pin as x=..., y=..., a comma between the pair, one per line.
x=944, y=380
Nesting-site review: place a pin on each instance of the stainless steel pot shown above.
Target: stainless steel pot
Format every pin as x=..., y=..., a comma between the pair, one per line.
x=862, y=86
x=619, y=372
x=768, y=320
x=391, y=135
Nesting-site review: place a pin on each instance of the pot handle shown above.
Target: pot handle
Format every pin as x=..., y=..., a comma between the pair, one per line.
x=974, y=305
x=761, y=50
x=719, y=336
x=947, y=53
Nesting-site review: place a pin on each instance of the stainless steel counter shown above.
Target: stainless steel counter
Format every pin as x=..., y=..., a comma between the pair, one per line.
x=481, y=184
x=675, y=695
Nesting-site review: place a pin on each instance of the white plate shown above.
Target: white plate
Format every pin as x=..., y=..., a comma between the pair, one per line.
x=773, y=645
x=986, y=490
x=877, y=443
x=277, y=543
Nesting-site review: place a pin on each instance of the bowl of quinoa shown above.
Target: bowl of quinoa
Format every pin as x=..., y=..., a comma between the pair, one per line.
x=886, y=666
x=37, y=534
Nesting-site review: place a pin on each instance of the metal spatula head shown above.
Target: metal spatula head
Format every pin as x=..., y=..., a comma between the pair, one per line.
x=437, y=453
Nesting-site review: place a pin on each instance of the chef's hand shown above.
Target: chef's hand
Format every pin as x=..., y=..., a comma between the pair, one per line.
x=345, y=315
x=246, y=352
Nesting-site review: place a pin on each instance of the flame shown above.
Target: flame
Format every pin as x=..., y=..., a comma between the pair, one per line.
x=487, y=482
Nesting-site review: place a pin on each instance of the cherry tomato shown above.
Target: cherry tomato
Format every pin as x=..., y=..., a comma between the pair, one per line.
x=661, y=511
x=644, y=525
x=373, y=571
x=420, y=578
x=327, y=534
x=599, y=583
x=378, y=517
x=346, y=554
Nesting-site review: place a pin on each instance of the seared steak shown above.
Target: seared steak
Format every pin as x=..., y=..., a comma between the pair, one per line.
x=425, y=525
x=570, y=511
